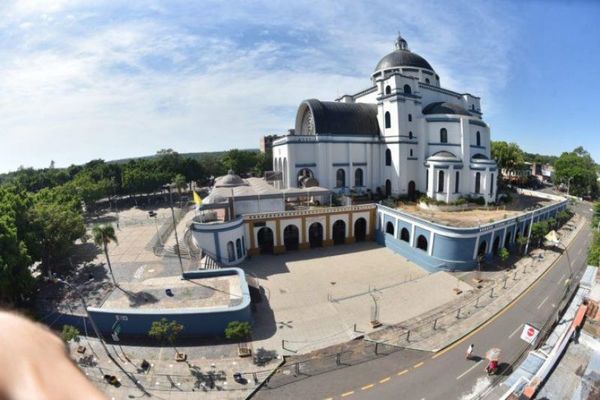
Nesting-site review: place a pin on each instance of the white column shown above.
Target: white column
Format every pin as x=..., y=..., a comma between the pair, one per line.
x=449, y=180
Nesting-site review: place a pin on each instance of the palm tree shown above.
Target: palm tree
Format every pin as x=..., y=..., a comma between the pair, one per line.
x=103, y=235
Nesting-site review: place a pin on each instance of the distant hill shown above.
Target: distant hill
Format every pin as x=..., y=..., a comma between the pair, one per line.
x=197, y=156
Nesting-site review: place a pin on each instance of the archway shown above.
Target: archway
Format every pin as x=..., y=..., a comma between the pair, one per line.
x=422, y=243
x=389, y=228
x=412, y=190
x=496, y=246
x=482, y=249
x=291, y=237
x=339, y=232
x=507, y=241
x=360, y=230
x=405, y=235
x=388, y=188
x=315, y=235
x=265, y=240
x=230, y=252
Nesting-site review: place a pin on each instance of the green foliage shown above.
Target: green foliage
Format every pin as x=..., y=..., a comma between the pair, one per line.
x=69, y=332
x=240, y=161
x=538, y=231
x=180, y=183
x=508, y=156
x=237, y=330
x=165, y=330
x=577, y=170
x=504, y=254
x=594, y=254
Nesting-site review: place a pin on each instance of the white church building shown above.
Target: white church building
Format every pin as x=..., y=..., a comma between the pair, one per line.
x=402, y=135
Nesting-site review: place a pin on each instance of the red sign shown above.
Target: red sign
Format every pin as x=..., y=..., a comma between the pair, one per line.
x=529, y=333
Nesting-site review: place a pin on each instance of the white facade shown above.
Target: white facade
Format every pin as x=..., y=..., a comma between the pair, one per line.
x=402, y=135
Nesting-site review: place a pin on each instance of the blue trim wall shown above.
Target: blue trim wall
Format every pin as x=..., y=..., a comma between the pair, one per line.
x=196, y=322
x=453, y=247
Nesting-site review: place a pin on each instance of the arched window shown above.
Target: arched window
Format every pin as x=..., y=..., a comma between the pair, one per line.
x=238, y=248
x=457, y=182
x=243, y=246
x=389, y=228
x=427, y=81
x=411, y=152
x=388, y=120
x=388, y=90
x=340, y=178
x=404, y=235
x=426, y=180
x=492, y=185
x=388, y=157
x=410, y=135
x=473, y=107
x=477, y=183
x=358, y=177
x=478, y=138
x=409, y=117
x=407, y=89
x=230, y=251
x=443, y=135
x=422, y=243
x=440, y=181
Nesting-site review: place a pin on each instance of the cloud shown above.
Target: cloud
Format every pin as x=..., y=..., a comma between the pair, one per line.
x=119, y=79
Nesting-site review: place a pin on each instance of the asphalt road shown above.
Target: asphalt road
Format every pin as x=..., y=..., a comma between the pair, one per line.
x=410, y=374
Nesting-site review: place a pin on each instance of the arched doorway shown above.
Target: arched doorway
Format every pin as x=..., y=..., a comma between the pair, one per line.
x=340, y=178
x=405, y=235
x=291, y=237
x=339, y=232
x=315, y=235
x=422, y=243
x=360, y=230
x=412, y=190
x=388, y=188
x=389, y=228
x=496, y=246
x=265, y=240
x=482, y=249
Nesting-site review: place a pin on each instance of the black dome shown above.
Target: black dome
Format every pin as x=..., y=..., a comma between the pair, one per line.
x=336, y=118
x=441, y=107
x=402, y=58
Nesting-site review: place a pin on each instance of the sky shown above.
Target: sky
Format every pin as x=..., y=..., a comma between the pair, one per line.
x=82, y=80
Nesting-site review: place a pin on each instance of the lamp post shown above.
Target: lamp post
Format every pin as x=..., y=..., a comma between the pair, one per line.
x=168, y=187
x=80, y=295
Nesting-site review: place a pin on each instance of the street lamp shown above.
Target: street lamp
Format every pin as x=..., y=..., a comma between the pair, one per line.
x=87, y=313
x=168, y=187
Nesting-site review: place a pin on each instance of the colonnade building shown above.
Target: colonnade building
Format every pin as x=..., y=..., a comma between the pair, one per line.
x=402, y=135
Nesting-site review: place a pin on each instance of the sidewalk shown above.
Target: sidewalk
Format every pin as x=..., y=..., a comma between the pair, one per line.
x=165, y=378
x=442, y=327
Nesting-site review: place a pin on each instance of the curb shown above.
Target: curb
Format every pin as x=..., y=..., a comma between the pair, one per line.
x=487, y=321
x=260, y=385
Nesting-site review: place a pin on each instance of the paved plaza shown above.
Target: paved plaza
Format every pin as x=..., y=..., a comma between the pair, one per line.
x=317, y=298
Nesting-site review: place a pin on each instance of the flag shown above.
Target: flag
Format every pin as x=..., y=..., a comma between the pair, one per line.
x=197, y=200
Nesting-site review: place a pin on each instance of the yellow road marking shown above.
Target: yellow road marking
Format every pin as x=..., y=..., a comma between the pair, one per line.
x=329, y=398
x=505, y=309
x=347, y=393
x=419, y=364
x=384, y=380
x=367, y=387
x=402, y=372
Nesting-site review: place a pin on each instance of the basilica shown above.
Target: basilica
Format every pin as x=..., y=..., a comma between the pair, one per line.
x=403, y=135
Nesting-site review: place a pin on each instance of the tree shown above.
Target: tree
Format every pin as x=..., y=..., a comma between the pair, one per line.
x=180, y=183
x=504, y=254
x=240, y=161
x=577, y=170
x=264, y=162
x=166, y=331
x=58, y=222
x=522, y=241
x=237, y=330
x=538, y=231
x=508, y=156
x=69, y=332
x=103, y=235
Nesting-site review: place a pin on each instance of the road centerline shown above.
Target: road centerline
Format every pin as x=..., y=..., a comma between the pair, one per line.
x=366, y=387
x=469, y=370
x=419, y=364
x=542, y=303
x=515, y=331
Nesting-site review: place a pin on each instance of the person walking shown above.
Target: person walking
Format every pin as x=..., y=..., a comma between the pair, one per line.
x=470, y=351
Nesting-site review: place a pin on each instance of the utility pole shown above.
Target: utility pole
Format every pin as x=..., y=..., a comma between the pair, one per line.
x=94, y=326
x=175, y=228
